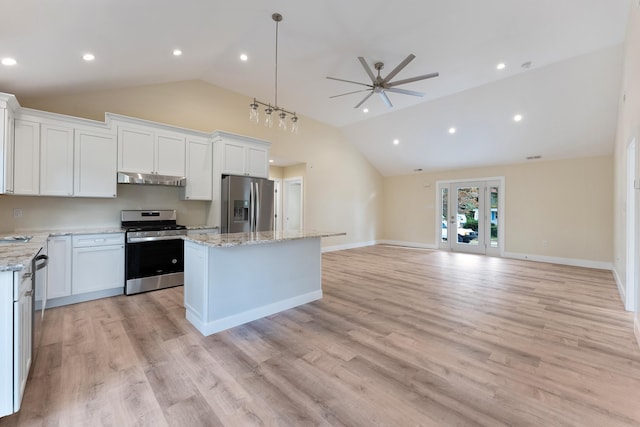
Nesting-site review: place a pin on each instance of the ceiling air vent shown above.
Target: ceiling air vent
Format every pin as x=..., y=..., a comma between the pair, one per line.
x=534, y=157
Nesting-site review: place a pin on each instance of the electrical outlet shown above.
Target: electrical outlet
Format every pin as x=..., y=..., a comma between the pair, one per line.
x=17, y=213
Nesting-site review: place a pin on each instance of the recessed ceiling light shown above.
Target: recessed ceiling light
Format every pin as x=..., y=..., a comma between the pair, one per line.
x=88, y=57
x=365, y=110
x=452, y=130
x=517, y=118
x=177, y=52
x=9, y=62
x=244, y=57
x=396, y=141
x=270, y=160
x=501, y=66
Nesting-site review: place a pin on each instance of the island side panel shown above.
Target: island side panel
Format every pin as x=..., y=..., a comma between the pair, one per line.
x=195, y=283
x=248, y=282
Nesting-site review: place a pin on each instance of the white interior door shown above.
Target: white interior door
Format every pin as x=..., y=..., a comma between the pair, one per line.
x=293, y=210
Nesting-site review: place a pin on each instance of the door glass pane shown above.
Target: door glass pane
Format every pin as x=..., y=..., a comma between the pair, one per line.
x=467, y=215
x=444, y=196
x=494, y=197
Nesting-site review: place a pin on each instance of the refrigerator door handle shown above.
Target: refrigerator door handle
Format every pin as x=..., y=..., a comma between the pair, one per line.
x=251, y=210
x=257, y=206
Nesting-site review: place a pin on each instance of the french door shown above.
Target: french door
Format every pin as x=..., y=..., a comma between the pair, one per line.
x=471, y=217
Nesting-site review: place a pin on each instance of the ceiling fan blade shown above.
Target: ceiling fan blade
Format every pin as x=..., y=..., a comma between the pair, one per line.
x=404, y=91
x=349, y=93
x=363, y=101
x=413, y=79
x=399, y=68
x=367, y=69
x=350, y=81
x=386, y=99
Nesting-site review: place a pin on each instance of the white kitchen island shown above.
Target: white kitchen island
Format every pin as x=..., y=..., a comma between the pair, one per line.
x=232, y=279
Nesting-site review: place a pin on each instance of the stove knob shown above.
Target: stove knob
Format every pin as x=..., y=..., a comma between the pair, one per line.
x=174, y=261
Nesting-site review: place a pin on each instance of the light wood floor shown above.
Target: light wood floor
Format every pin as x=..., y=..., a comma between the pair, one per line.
x=402, y=337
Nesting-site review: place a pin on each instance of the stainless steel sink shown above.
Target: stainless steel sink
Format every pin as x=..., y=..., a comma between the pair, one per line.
x=15, y=239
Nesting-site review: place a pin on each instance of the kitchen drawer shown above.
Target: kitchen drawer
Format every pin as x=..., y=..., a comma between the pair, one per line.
x=87, y=240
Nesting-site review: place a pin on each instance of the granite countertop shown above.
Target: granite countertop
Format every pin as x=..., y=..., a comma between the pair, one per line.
x=72, y=231
x=15, y=256
x=238, y=239
x=202, y=227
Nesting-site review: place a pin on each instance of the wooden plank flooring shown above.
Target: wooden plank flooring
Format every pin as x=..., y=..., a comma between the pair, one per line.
x=402, y=337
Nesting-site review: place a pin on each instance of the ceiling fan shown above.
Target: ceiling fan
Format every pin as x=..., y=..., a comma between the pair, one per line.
x=382, y=85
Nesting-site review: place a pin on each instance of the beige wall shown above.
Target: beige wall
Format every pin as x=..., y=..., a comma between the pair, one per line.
x=628, y=130
x=343, y=191
x=568, y=203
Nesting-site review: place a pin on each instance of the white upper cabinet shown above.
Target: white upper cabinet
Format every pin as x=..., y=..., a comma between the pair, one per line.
x=135, y=150
x=63, y=156
x=257, y=161
x=143, y=149
x=26, y=177
x=95, y=164
x=239, y=155
x=7, y=103
x=198, y=169
x=170, y=153
x=56, y=160
x=233, y=158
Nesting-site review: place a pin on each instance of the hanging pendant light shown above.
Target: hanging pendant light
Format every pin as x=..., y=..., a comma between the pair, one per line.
x=254, y=115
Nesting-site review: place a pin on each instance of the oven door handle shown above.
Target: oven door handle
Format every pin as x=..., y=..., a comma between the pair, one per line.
x=152, y=239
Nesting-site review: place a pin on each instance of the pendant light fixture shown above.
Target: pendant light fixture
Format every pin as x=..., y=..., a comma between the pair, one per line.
x=273, y=109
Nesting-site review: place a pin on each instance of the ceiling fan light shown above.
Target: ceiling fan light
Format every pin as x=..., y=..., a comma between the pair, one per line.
x=294, y=124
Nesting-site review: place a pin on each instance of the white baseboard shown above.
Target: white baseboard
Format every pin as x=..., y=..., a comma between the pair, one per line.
x=250, y=315
x=564, y=261
x=348, y=246
x=74, y=299
x=621, y=288
x=408, y=244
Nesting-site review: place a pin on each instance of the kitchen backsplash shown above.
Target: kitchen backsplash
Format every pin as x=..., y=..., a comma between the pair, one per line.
x=46, y=213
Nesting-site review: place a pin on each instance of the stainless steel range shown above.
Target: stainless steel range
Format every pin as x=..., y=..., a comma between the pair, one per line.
x=154, y=250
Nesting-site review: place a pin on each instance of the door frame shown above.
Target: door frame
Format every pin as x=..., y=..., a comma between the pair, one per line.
x=277, y=209
x=285, y=200
x=498, y=181
x=631, y=275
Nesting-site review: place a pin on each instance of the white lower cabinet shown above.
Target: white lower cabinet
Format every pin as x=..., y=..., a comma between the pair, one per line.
x=22, y=335
x=98, y=263
x=59, y=267
x=15, y=337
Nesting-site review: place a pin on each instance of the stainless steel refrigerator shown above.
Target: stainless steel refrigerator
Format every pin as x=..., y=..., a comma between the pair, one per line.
x=247, y=204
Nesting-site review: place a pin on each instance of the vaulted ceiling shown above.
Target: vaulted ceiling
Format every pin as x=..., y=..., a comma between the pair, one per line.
x=567, y=95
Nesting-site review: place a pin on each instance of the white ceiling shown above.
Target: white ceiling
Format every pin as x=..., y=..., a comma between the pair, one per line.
x=568, y=97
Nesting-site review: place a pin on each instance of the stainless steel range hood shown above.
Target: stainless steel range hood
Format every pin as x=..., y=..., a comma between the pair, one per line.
x=151, y=179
